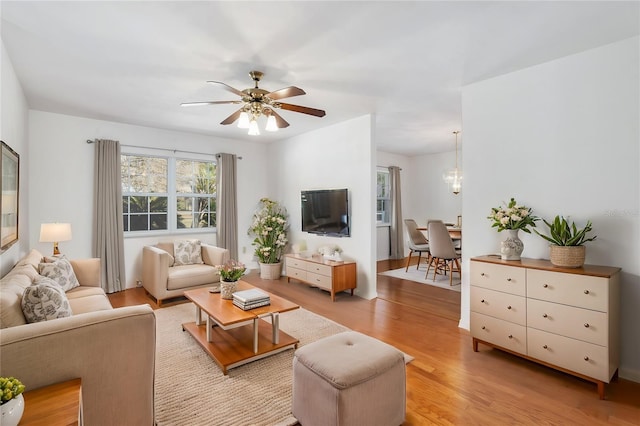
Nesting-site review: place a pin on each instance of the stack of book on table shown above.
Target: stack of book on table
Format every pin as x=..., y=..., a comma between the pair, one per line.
x=249, y=299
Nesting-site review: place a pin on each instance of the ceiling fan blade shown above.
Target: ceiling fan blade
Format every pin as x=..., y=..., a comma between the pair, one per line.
x=286, y=92
x=304, y=110
x=281, y=122
x=209, y=103
x=233, y=117
x=227, y=88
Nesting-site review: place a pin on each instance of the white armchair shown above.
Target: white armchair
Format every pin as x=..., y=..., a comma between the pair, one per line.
x=164, y=280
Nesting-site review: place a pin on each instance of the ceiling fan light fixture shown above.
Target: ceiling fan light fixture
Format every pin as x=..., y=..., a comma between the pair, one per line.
x=272, y=125
x=253, y=128
x=243, y=121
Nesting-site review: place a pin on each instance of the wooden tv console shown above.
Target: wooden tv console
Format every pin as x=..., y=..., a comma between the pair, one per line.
x=331, y=275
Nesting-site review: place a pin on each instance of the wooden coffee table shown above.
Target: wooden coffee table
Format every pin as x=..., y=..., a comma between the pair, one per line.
x=233, y=337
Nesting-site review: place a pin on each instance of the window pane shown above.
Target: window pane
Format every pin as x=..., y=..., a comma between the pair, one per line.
x=138, y=204
x=125, y=222
x=158, y=221
x=139, y=222
x=125, y=204
x=157, y=204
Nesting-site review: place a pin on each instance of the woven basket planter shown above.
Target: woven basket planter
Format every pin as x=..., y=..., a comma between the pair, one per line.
x=567, y=256
x=270, y=271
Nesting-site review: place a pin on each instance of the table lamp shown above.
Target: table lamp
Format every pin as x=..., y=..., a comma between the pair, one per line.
x=55, y=232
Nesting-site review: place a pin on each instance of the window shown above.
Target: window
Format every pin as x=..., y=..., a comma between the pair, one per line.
x=383, y=197
x=163, y=193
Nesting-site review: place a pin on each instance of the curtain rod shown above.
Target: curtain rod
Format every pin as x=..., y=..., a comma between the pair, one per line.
x=166, y=149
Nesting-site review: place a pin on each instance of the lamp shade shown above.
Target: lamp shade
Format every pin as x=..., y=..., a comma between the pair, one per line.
x=55, y=232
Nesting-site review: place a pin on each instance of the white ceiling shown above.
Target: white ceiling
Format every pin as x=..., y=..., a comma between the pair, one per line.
x=405, y=62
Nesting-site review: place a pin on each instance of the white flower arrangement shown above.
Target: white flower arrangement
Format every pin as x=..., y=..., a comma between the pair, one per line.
x=329, y=250
x=513, y=216
x=269, y=228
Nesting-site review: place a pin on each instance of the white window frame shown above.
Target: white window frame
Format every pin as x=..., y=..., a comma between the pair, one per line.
x=172, y=196
x=385, y=171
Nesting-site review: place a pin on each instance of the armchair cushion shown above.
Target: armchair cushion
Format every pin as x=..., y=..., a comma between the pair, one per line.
x=61, y=272
x=44, y=300
x=187, y=252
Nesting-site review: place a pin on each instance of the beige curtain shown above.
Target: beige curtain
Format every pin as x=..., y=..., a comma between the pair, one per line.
x=108, y=233
x=396, y=236
x=227, y=204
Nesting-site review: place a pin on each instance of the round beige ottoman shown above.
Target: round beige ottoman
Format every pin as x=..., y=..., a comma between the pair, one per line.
x=349, y=379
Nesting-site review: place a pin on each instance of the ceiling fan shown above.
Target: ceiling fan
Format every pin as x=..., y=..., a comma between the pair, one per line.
x=257, y=102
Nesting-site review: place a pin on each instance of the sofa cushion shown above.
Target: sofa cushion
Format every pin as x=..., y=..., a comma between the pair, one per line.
x=168, y=247
x=89, y=303
x=60, y=271
x=44, y=300
x=33, y=258
x=191, y=275
x=12, y=286
x=187, y=252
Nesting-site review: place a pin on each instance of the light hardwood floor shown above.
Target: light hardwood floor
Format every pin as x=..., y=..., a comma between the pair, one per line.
x=448, y=383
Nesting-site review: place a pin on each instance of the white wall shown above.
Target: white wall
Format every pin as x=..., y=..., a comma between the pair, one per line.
x=563, y=138
x=61, y=179
x=338, y=156
x=14, y=132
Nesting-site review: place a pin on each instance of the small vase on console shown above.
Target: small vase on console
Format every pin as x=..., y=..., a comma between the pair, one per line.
x=512, y=247
x=227, y=288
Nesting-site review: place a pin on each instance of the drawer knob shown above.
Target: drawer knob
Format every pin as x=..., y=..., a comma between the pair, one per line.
x=544, y=347
x=509, y=307
x=482, y=274
x=484, y=328
x=586, y=292
x=586, y=358
x=511, y=336
x=482, y=301
x=545, y=285
x=544, y=315
x=509, y=279
x=586, y=325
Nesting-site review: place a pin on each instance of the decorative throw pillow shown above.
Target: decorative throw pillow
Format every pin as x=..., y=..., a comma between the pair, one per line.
x=44, y=300
x=187, y=252
x=61, y=272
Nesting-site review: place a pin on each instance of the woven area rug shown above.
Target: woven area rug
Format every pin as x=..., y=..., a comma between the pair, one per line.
x=418, y=275
x=191, y=389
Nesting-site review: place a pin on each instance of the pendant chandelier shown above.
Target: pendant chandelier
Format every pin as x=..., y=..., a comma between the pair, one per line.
x=453, y=177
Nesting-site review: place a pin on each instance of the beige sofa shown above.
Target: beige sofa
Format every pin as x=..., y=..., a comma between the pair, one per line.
x=111, y=350
x=164, y=280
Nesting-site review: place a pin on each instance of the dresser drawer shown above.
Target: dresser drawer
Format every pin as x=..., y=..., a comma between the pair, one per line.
x=505, y=306
x=318, y=280
x=570, y=289
x=299, y=274
x=508, y=279
x=582, y=324
x=296, y=263
x=499, y=332
x=318, y=268
x=575, y=355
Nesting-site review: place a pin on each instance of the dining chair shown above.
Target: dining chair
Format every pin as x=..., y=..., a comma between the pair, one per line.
x=417, y=242
x=444, y=256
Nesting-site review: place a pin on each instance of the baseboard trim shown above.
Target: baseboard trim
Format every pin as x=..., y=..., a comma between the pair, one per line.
x=629, y=374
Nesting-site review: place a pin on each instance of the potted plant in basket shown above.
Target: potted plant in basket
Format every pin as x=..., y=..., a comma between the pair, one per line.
x=567, y=242
x=230, y=273
x=11, y=401
x=269, y=229
x=512, y=219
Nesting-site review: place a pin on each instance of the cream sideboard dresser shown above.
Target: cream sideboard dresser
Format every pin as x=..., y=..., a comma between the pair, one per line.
x=564, y=318
x=333, y=276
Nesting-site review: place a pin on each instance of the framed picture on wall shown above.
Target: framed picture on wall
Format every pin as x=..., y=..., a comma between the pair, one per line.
x=9, y=178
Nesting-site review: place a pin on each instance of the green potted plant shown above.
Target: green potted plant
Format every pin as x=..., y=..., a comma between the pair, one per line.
x=230, y=273
x=269, y=229
x=567, y=242
x=11, y=401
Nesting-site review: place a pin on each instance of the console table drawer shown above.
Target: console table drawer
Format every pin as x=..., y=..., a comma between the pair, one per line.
x=499, y=332
x=299, y=274
x=505, y=306
x=577, y=323
x=569, y=289
x=296, y=263
x=497, y=277
x=575, y=355
x=317, y=268
x=318, y=280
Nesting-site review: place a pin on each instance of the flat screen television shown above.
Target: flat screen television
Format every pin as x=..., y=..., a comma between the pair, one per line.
x=326, y=212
